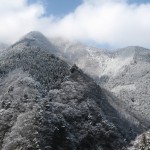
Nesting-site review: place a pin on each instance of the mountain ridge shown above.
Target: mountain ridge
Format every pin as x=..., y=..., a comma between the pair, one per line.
x=59, y=103
x=124, y=72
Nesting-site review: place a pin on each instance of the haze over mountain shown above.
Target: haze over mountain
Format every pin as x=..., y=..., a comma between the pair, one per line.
x=124, y=72
x=43, y=93
x=61, y=106
x=3, y=46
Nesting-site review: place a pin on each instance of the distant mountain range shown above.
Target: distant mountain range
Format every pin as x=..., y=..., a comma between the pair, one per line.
x=48, y=103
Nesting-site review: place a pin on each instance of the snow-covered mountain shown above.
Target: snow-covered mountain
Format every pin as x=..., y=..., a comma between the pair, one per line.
x=92, y=60
x=124, y=72
x=47, y=104
x=43, y=93
x=131, y=84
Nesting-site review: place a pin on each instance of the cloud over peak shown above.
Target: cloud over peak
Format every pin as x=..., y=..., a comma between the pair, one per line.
x=116, y=23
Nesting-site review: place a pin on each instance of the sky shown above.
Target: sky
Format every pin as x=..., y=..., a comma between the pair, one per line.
x=58, y=7
x=103, y=23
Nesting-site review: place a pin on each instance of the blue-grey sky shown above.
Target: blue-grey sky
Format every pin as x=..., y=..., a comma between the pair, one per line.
x=63, y=7
x=59, y=7
x=106, y=23
x=138, y=1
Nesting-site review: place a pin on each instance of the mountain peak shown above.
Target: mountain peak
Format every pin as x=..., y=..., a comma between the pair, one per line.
x=33, y=35
x=40, y=94
x=35, y=39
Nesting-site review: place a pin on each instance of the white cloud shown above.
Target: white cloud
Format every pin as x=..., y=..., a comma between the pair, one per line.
x=113, y=22
x=17, y=18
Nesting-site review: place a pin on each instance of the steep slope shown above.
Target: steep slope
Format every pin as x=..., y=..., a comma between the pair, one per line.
x=92, y=60
x=124, y=72
x=47, y=104
x=131, y=83
x=142, y=142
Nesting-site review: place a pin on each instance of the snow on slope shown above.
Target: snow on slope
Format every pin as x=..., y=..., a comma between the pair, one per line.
x=62, y=107
x=125, y=72
x=94, y=61
x=83, y=56
x=130, y=87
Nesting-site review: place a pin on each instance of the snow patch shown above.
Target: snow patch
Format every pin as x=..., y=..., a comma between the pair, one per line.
x=116, y=65
x=130, y=87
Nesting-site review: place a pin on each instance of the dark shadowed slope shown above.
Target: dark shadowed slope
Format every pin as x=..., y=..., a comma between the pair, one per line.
x=45, y=104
